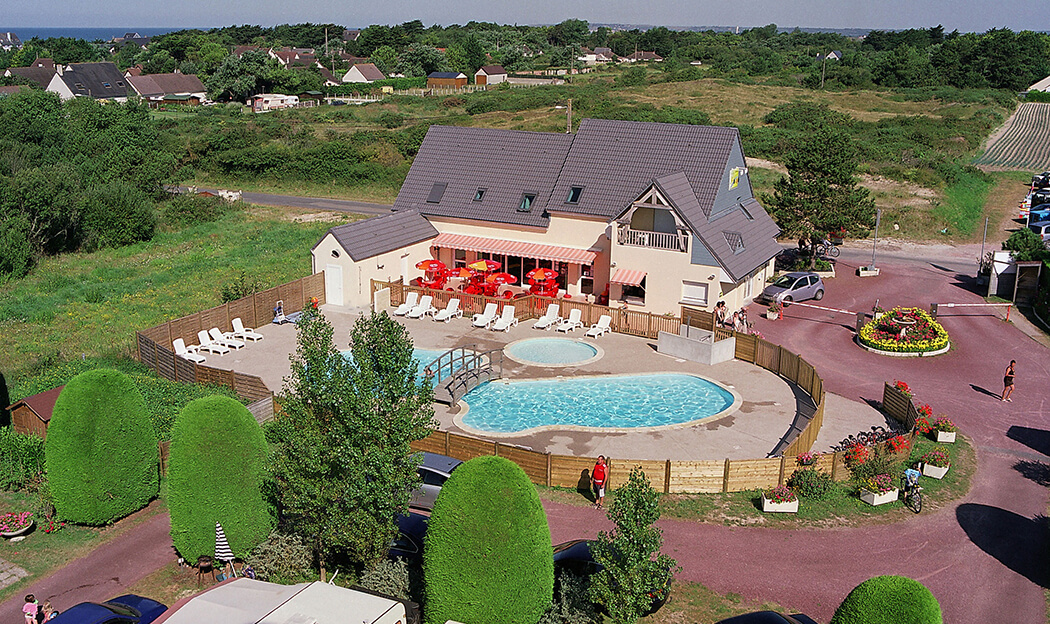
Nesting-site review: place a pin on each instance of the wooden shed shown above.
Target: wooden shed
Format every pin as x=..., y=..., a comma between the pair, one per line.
x=446, y=80
x=33, y=413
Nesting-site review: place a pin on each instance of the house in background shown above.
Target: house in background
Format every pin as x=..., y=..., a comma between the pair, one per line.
x=39, y=73
x=13, y=89
x=102, y=81
x=490, y=75
x=650, y=216
x=363, y=72
x=9, y=41
x=1042, y=85
x=351, y=34
x=32, y=414
x=834, y=55
x=329, y=79
x=174, y=88
x=446, y=80
x=635, y=57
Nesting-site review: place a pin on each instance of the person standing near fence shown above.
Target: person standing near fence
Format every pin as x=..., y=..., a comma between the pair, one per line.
x=599, y=475
x=1008, y=381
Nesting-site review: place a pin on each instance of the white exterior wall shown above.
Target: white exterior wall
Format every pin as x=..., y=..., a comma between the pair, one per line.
x=357, y=275
x=490, y=80
x=354, y=75
x=58, y=86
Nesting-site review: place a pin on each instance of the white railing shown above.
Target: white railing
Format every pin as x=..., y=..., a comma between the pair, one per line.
x=654, y=240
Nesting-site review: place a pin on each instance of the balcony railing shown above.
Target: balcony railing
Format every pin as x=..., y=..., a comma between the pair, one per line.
x=654, y=240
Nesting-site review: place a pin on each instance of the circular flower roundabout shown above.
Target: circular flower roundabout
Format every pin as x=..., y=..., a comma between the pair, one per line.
x=904, y=332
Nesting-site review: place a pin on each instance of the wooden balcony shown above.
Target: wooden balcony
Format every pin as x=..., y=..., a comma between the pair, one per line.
x=653, y=240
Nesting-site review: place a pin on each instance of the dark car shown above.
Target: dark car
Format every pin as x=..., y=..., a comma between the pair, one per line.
x=434, y=471
x=411, y=529
x=797, y=286
x=127, y=609
x=1042, y=213
x=768, y=617
x=575, y=556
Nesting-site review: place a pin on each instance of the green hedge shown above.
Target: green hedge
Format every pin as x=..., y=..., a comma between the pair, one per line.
x=895, y=599
x=215, y=474
x=21, y=459
x=101, y=451
x=487, y=556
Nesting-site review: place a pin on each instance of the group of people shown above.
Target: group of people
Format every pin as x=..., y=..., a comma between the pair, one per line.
x=36, y=612
x=736, y=321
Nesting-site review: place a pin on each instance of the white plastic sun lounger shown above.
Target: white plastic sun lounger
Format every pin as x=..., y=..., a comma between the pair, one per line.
x=187, y=353
x=485, y=318
x=572, y=322
x=242, y=332
x=602, y=326
x=426, y=306
x=549, y=318
x=506, y=321
x=450, y=312
x=411, y=299
x=207, y=344
x=221, y=338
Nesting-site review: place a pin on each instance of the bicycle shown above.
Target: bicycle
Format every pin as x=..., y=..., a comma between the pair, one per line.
x=827, y=248
x=911, y=490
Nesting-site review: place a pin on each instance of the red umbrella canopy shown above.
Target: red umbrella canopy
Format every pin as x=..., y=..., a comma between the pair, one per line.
x=501, y=278
x=431, y=265
x=542, y=275
x=485, y=265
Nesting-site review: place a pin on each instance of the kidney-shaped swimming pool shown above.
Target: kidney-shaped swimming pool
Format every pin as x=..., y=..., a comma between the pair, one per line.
x=607, y=402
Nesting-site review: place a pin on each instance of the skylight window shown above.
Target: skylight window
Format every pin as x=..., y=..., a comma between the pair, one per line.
x=574, y=195
x=479, y=194
x=107, y=85
x=527, y=199
x=436, y=192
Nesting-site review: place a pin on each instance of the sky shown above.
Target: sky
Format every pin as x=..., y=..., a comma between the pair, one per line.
x=964, y=15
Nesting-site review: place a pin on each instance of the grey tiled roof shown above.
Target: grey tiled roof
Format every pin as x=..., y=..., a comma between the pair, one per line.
x=40, y=76
x=507, y=163
x=446, y=75
x=97, y=80
x=378, y=235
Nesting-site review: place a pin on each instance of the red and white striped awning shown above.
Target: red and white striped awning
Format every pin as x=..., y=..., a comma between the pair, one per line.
x=628, y=277
x=515, y=248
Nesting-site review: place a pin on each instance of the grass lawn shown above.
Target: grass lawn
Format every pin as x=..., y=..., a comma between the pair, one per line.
x=842, y=508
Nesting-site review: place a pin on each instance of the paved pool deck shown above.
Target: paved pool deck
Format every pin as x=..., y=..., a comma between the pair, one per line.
x=752, y=431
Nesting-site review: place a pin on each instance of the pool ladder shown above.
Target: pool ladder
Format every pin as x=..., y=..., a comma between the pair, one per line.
x=461, y=369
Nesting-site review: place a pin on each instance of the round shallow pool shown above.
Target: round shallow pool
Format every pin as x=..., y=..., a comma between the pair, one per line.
x=607, y=402
x=552, y=352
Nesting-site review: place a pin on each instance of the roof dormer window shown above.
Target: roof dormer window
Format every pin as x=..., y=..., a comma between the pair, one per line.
x=479, y=194
x=436, y=192
x=574, y=195
x=527, y=199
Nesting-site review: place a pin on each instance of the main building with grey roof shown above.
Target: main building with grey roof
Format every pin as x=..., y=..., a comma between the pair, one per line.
x=649, y=214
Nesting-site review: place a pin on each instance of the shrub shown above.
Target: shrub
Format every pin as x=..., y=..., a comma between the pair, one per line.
x=21, y=459
x=572, y=603
x=185, y=210
x=389, y=577
x=101, y=451
x=239, y=288
x=117, y=214
x=390, y=119
x=895, y=599
x=281, y=558
x=811, y=483
x=487, y=554
x=215, y=474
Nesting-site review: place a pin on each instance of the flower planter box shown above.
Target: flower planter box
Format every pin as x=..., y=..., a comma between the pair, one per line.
x=21, y=531
x=772, y=315
x=867, y=271
x=936, y=472
x=769, y=506
x=878, y=498
x=946, y=436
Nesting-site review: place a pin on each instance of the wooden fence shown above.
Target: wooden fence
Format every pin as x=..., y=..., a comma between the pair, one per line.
x=899, y=406
x=155, y=350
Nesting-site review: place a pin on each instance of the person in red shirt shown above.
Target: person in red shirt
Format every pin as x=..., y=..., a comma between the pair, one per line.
x=599, y=475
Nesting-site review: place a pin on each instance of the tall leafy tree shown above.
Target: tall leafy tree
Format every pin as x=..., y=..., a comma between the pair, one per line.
x=820, y=193
x=342, y=463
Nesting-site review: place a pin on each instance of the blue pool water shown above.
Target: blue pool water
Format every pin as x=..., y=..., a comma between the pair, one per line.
x=422, y=356
x=615, y=401
x=551, y=351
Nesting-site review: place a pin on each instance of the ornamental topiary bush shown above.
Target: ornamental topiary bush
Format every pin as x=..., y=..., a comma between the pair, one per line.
x=101, y=450
x=883, y=599
x=487, y=554
x=216, y=470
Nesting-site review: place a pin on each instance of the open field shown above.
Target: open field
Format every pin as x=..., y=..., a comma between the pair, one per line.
x=1023, y=142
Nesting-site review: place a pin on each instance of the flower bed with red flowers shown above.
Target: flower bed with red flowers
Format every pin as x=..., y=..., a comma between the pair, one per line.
x=904, y=330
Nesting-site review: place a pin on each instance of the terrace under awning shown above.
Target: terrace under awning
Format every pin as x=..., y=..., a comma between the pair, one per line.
x=539, y=251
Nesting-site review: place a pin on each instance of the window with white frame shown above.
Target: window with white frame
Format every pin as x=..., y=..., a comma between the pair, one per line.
x=694, y=292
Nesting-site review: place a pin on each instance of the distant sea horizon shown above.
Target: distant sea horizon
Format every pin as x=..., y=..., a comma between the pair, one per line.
x=26, y=33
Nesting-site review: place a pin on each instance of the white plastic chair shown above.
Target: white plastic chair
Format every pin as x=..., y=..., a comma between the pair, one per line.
x=549, y=318
x=411, y=299
x=572, y=322
x=242, y=332
x=485, y=318
x=425, y=307
x=450, y=312
x=187, y=353
x=207, y=344
x=221, y=338
x=602, y=326
x=506, y=321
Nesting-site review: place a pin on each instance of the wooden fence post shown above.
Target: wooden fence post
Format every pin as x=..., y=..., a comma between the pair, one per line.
x=448, y=447
x=667, y=477
x=725, y=477
x=834, y=464
x=548, y=468
x=495, y=449
x=783, y=464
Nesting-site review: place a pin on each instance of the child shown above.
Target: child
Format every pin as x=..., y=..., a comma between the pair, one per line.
x=29, y=609
x=49, y=611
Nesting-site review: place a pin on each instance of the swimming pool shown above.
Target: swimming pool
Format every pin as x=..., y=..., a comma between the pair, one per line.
x=422, y=356
x=552, y=352
x=607, y=402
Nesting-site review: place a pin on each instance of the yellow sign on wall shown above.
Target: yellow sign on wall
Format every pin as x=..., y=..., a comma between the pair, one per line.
x=734, y=177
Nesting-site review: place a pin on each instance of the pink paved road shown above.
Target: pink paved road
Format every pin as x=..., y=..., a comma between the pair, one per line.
x=983, y=557
x=106, y=572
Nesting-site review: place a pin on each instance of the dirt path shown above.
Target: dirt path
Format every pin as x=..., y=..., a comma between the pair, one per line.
x=983, y=556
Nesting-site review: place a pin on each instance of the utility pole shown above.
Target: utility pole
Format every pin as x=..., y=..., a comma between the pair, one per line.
x=874, y=241
x=980, y=259
x=568, y=120
x=823, y=64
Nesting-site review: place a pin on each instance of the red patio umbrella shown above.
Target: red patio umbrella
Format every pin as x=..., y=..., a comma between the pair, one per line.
x=431, y=265
x=485, y=265
x=541, y=274
x=462, y=273
x=501, y=278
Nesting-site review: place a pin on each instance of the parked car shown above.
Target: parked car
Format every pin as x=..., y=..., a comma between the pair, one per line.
x=797, y=286
x=768, y=617
x=1040, y=214
x=126, y=609
x=575, y=556
x=411, y=530
x=434, y=471
x=1042, y=228
x=1041, y=180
